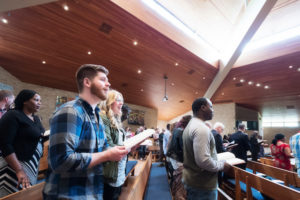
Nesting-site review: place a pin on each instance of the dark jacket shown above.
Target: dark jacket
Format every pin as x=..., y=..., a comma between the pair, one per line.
x=240, y=138
x=19, y=134
x=219, y=141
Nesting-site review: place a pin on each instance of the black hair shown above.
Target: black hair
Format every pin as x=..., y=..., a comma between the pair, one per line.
x=277, y=137
x=198, y=103
x=22, y=97
x=125, y=112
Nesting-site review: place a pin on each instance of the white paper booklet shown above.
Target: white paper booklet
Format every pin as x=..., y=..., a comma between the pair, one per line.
x=131, y=142
x=230, y=158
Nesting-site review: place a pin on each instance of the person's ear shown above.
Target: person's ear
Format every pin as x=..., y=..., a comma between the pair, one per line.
x=87, y=82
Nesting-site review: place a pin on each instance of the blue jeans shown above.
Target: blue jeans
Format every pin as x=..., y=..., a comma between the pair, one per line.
x=200, y=194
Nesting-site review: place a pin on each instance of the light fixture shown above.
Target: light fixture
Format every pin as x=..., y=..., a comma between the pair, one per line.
x=44, y=62
x=291, y=66
x=266, y=87
x=203, y=78
x=4, y=20
x=135, y=43
x=257, y=84
x=176, y=64
x=139, y=71
x=142, y=90
x=242, y=80
x=250, y=82
x=165, y=97
x=234, y=78
x=89, y=52
x=66, y=8
x=298, y=69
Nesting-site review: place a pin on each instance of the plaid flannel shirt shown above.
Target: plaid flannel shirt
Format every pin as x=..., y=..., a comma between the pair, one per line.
x=74, y=135
x=295, y=147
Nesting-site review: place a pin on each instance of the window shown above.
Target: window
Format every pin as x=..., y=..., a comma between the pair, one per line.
x=280, y=121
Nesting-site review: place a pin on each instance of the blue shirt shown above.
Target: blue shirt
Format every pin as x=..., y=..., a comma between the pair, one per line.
x=74, y=135
x=295, y=147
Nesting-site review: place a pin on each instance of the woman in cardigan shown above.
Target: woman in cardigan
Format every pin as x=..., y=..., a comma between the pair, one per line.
x=20, y=143
x=114, y=172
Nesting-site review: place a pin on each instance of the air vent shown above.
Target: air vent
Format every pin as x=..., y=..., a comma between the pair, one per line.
x=238, y=85
x=191, y=72
x=290, y=107
x=105, y=28
x=124, y=84
x=181, y=101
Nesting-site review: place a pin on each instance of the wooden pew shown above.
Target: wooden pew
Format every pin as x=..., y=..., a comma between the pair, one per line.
x=267, y=161
x=222, y=195
x=32, y=193
x=154, y=151
x=288, y=177
x=43, y=161
x=265, y=186
x=136, y=185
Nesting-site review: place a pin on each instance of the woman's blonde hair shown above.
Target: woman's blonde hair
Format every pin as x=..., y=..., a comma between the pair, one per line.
x=105, y=106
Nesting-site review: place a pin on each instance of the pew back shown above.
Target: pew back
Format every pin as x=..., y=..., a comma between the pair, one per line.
x=288, y=177
x=137, y=184
x=265, y=186
x=32, y=193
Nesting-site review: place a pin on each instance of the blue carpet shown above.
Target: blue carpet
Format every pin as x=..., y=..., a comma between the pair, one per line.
x=158, y=186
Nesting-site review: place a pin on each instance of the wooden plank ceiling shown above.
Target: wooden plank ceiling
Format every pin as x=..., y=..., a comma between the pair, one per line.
x=63, y=38
x=48, y=32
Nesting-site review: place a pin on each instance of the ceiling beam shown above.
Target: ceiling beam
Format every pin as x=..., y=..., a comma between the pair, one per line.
x=149, y=16
x=250, y=21
x=9, y=5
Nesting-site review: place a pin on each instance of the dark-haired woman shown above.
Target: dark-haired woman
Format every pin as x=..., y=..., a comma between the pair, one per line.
x=20, y=143
x=281, y=151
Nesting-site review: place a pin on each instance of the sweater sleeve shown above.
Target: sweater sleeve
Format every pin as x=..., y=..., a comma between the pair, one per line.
x=201, y=147
x=8, y=132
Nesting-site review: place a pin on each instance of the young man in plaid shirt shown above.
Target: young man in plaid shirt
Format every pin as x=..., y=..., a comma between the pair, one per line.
x=77, y=141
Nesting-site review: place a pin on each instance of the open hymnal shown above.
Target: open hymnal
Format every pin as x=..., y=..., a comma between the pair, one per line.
x=230, y=158
x=131, y=142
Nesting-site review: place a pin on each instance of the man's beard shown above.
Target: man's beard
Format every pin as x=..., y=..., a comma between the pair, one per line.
x=98, y=92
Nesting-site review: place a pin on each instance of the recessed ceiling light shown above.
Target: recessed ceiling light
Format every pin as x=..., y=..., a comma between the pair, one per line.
x=89, y=52
x=234, y=78
x=176, y=64
x=204, y=78
x=142, y=90
x=298, y=69
x=139, y=71
x=135, y=43
x=291, y=66
x=242, y=80
x=44, y=62
x=250, y=83
x=223, y=93
x=258, y=85
x=196, y=92
x=266, y=87
x=172, y=84
x=4, y=20
x=66, y=8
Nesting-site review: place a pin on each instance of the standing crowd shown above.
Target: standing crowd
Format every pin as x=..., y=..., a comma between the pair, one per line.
x=87, y=159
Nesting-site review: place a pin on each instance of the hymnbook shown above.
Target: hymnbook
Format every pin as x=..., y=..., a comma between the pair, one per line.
x=131, y=142
x=230, y=158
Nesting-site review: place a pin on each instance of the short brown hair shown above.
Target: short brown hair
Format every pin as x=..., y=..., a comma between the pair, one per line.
x=5, y=93
x=88, y=71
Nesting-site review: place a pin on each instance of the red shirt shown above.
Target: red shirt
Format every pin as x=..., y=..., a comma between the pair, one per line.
x=281, y=160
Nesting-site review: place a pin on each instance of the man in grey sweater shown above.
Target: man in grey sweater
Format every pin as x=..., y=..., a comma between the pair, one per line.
x=200, y=173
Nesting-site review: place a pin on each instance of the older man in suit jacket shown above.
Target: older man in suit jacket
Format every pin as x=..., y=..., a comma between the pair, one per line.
x=240, y=138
